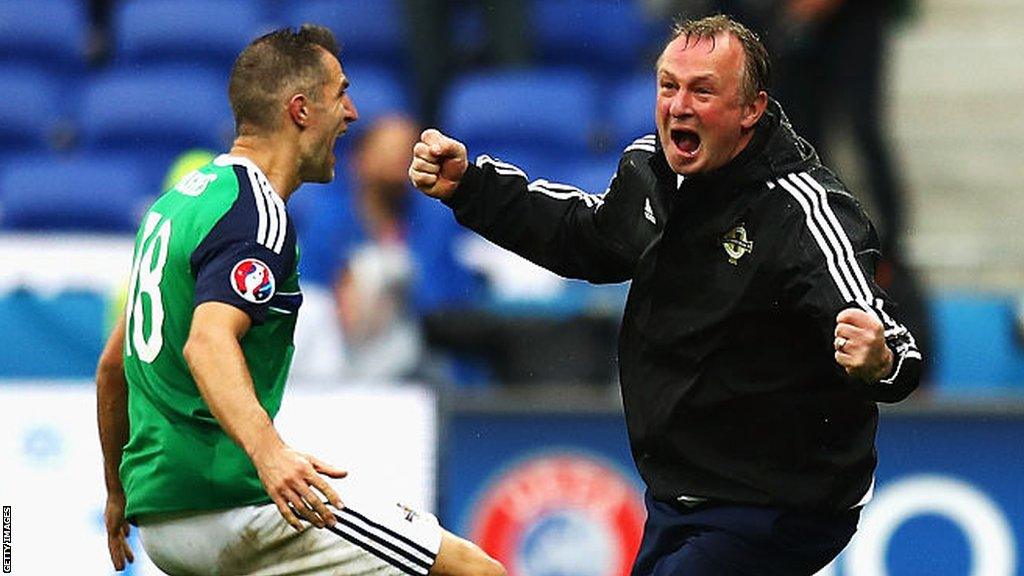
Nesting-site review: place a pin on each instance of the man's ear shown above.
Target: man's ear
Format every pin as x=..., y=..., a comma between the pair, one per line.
x=298, y=110
x=752, y=112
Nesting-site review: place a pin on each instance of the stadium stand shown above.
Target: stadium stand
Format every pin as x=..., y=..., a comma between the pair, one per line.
x=546, y=118
x=210, y=32
x=376, y=91
x=591, y=174
x=81, y=194
x=369, y=32
x=29, y=125
x=550, y=110
x=604, y=36
x=169, y=108
x=630, y=111
x=44, y=32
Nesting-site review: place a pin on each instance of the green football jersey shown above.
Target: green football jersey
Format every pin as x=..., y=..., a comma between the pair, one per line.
x=220, y=234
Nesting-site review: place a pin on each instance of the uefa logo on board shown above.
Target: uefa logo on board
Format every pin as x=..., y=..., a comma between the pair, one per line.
x=560, y=515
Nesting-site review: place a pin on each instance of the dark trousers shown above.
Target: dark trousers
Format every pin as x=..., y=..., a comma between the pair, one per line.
x=725, y=540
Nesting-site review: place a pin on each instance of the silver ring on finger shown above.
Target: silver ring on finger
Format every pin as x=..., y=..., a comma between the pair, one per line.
x=841, y=343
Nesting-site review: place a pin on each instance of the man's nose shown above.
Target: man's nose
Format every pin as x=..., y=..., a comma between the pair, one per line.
x=351, y=114
x=681, y=104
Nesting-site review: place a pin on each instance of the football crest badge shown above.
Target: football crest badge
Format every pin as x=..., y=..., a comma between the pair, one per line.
x=253, y=281
x=736, y=244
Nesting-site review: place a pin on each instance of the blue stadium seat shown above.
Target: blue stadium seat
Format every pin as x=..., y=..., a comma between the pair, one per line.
x=204, y=32
x=548, y=109
x=46, y=32
x=631, y=109
x=976, y=351
x=31, y=109
x=86, y=194
x=163, y=109
x=601, y=35
x=369, y=32
x=376, y=91
x=591, y=174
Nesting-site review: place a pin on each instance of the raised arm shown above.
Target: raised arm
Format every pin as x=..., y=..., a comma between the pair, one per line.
x=833, y=251
x=557, y=226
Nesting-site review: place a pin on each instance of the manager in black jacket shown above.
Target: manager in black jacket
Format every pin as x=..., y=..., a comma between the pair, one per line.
x=755, y=343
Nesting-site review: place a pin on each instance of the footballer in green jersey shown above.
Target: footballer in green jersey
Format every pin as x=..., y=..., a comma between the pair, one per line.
x=193, y=373
x=221, y=234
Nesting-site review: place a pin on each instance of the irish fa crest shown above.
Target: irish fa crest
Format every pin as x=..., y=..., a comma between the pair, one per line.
x=736, y=244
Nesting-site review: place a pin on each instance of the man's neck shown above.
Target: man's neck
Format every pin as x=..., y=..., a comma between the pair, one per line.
x=278, y=162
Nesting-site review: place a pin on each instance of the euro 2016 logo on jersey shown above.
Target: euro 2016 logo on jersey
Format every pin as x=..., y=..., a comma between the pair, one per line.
x=253, y=280
x=560, y=515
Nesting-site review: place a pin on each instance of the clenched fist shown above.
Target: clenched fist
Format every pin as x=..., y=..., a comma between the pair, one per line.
x=438, y=163
x=860, y=345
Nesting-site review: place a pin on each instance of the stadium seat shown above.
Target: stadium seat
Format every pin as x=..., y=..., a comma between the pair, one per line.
x=590, y=174
x=32, y=107
x=630, y=109
x=86, y=194
x=376, y=91
x=44, y=32
x=548, y=109
x=601, y=35
x=205, y=32
x=976, y=350
x=168, y=109
x=369, y=32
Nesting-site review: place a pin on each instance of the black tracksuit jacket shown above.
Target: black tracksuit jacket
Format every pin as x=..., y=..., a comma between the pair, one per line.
x=730, y=386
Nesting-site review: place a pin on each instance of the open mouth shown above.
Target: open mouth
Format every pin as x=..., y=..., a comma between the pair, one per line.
x=687, y=141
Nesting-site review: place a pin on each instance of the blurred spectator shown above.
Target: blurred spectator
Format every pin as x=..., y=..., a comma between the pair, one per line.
x=383, y=257
x=437, y=55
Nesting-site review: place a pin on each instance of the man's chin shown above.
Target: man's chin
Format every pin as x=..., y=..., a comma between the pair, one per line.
x=684, y=165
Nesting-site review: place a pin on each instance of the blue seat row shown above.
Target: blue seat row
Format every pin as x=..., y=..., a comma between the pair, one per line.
x=598, y=33
x=543, y=120
x=187, y=105
x=150, y=105
x=106, y=191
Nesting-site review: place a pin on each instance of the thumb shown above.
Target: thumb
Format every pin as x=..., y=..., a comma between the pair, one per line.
x=326, y=469
x=857, y=317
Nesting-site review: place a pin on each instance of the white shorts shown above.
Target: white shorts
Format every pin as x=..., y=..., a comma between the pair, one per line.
x=371, y=539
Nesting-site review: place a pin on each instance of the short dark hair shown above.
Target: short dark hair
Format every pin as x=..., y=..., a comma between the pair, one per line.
x=285, y=59
x=756, y=64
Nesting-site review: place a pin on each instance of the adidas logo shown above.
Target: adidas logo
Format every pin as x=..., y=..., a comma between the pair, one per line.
x=649, y=212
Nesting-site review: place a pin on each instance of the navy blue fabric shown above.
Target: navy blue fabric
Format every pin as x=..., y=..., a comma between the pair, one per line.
x=232, y=240
x=726, y=540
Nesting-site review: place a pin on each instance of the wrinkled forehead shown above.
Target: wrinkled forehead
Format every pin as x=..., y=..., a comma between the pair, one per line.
x=721, y=52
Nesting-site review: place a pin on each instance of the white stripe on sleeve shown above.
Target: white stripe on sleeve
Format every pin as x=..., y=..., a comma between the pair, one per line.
x=261, y=208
